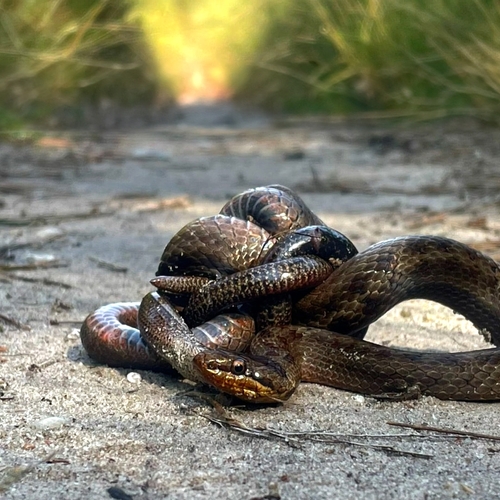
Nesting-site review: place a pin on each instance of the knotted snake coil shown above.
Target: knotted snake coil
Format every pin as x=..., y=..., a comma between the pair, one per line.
x=312, y=310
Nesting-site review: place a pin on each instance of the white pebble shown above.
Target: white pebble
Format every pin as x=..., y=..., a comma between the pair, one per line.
x=359, y=398
x=49, y=233
x=74, y=334
x=150, y=154
x=50, y=423
x=134, y=378
x=40, y=258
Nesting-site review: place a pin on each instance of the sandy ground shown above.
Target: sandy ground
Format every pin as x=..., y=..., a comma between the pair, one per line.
x=77, y=202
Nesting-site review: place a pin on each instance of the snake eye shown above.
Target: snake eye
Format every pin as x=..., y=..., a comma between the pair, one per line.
x=238, y=367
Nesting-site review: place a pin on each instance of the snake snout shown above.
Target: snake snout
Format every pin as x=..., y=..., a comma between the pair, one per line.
x=243, y=377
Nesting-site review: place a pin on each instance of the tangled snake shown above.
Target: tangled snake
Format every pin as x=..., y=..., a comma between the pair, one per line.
x=345, y=300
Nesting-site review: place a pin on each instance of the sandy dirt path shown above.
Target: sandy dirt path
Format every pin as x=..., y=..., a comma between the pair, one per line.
x=83, y=203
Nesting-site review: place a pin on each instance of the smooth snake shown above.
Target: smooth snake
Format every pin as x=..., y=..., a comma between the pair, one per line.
x=353, y=295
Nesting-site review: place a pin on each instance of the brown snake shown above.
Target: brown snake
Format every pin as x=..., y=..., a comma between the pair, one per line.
x=354, y=295
x=209, y=247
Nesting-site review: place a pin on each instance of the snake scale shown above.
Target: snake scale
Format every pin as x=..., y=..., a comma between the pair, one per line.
x=229, y=250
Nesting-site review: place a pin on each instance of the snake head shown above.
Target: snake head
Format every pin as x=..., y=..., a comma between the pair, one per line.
x=250, y=379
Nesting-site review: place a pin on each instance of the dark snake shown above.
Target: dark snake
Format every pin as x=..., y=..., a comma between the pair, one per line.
x=207, y=248
x=354, y=295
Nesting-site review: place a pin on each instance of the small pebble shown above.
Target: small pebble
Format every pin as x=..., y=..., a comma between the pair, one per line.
x=150, y=154
x=40, y=258
x=74, y=334
x=134, y=377
x=49, y=233
x=359, y=398
x=406, y=313
x=294, y=154
x=118, y=493
x=50, y=423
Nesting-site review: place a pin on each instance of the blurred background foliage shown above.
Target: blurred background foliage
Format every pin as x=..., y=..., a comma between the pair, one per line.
x=67, y=54
x=393, y=58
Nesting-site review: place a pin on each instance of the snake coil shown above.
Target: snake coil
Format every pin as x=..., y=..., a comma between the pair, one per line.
x=228, y=253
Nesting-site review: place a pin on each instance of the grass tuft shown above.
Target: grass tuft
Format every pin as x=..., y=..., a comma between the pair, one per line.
x=410, y=58
x=57, y=53
x=424, y=59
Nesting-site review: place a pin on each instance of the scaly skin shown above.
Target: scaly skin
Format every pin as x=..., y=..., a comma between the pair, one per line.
x=207, y=248
x=426, y=267
x=356, y=294
x=111, y=334
x=280, y=357
x=275, y=208
x=352, y=296
x=213, y=247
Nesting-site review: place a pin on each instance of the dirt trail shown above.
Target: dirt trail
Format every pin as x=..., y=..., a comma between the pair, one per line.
x=83, y=221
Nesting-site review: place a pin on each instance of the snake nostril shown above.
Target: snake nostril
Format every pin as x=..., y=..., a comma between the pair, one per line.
x=212, y=365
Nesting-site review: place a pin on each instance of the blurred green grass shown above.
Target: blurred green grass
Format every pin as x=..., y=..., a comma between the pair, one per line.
x=391, y=58
x=385, y=58
x=70, y=53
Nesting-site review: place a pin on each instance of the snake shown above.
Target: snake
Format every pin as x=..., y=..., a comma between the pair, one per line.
x=130, y=334
x=112, y=336
x=320, y=344
x=357, y=293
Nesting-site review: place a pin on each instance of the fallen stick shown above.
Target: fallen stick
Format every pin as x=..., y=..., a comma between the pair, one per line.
x=445, y=430
x=51, y=219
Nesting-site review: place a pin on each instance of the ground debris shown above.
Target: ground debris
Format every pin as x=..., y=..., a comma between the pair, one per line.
x=32, y=266
x=14, y=322
x=149, y=204
x=296, y=438
x=110, y=266
x=39, y=220
x=118, y=493
x=12, y=475
x=41, y=238
x=456, y=432
x=27, y=279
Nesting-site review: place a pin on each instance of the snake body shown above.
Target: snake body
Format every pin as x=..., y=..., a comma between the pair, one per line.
x=114, y=335
x=214, y=246
x=345, y=299
x=353, y=296
x=133, y=334
x=281, y=357
x=275, y=208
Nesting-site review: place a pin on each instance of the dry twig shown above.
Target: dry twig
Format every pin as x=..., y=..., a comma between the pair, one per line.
x=109, y=265
x=57, y=322
x=12, y=475
x=51, y=218
x=32, y=266
x=295, y=438
x=43, y=281
x=444, y=430
x=39, y=242
x=14, y=322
